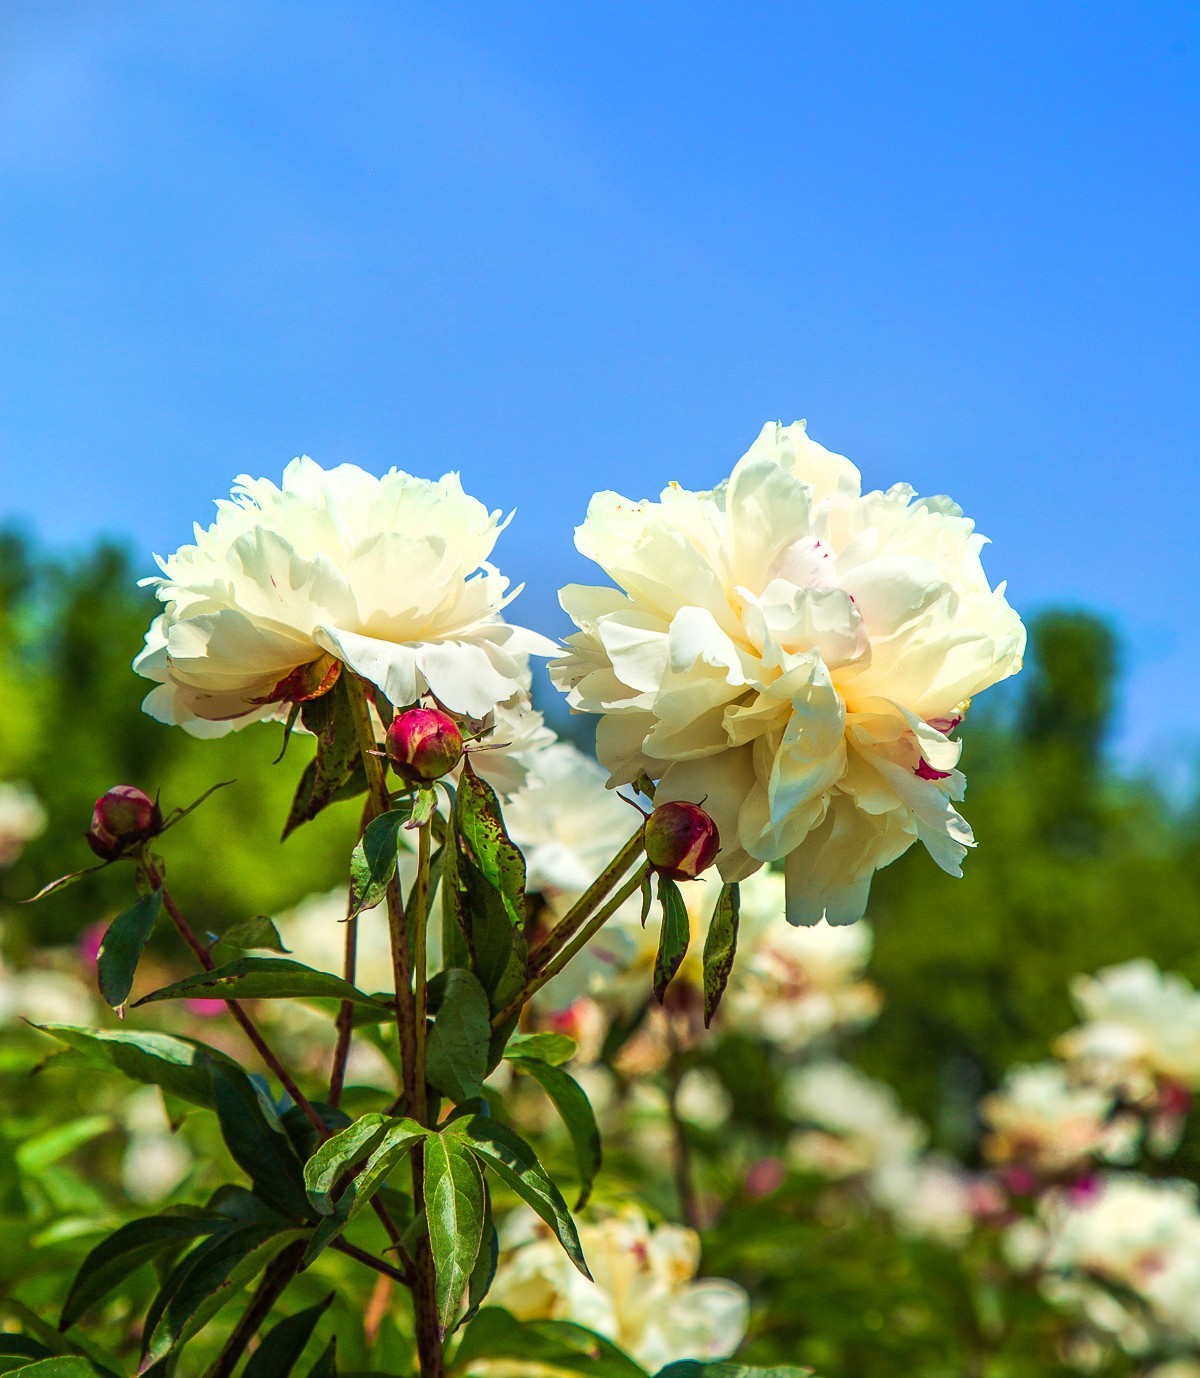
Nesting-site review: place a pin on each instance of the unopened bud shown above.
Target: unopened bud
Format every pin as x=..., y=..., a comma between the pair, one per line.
x=123, y=817
x=681, y=840
x=423, y=744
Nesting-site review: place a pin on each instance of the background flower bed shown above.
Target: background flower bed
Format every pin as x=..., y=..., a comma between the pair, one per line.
x=1078, y=869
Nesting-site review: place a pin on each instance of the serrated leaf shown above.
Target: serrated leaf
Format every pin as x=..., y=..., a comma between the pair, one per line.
x=258, y=932
x=336, y=767
x=454, y=1211
x=558, y=1346
x=373, y=861
x=204, y=1281
x=284, y=1344
x=553, y=1048
x=457, y=1050
x=258, y=1144
x=506, y=1154
x=674, y=937
x=122, y=948
x=575, y=1110
x=179, y=1065
x=125, y=1251
x=261, y=978
x=720, y=948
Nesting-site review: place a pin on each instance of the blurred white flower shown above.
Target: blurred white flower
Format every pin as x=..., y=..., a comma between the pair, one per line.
x=22, y=818
x=797, y=654
x=568, y=825
x=389, y=576
x=702, y=1100
x=646, y=1297
x=1140, y=1024
x=43, y=995
x=1135, y=1236
x=854, y=1127
x=1041, y=1119
x=155, y=1160
x=927, y=1199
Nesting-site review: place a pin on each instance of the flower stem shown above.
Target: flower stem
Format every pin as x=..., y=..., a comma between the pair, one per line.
x=410, y=1024
x=578, y=913
x=279, y=1272
x=247, y=1025
x=345, y=1019
x=383, y=1268
x=584, y=936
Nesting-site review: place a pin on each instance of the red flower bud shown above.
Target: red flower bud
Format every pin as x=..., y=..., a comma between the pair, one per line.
x=423, y=744
x=681, y=840
x=123, y=817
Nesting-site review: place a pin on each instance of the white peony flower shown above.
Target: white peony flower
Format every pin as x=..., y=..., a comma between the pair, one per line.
x=1137, y=1236
x=796, y=654
x=22, y=818
x=646, y=1297
x=1041, y=1119
x=567, y=824
x=1140, y=1025
x=856, y=1125
x=389, y=576
x=927, y=1199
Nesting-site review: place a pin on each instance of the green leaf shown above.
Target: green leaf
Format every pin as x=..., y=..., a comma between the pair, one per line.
x=488, y=875
x=261, y=978
x=22, y=1347
x=384, y=1152
x=52, y=887
x=61, y=1366
x=720, y=948
x=373, y=861
x=674, y=937
x=122, y=948
x=577, y=1115
x=178, y=815
x=56, y=1343
x=454, y=1211
x=326, y=1365
x=339, y=1154
x=457, y=1051
x=561, y=1346
x=284, y=1344
x=647, y=892
x=336, y=771
x=256, y=932
x=484, y=1272
x=553, y=1048
x=124, y=1252
x=515, y=1163
x=697, y=1368
x=258, y=1144
x=179, y=1065
x=208, y=1277
x=37, y=1153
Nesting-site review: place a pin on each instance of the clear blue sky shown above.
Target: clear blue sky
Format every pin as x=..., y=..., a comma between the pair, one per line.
x=565, y=246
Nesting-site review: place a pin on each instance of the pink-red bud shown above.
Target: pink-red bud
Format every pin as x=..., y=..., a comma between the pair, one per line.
x=423, y=744
x=123, y=817
x=681, y=840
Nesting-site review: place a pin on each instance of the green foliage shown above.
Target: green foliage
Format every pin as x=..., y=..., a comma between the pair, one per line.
x=720, y=949
x=457, y=1052
x=122, y=948
x=285, y=1343
x=674, y=937
x=455, y=1208
x=263, y=978
x=572, y=1104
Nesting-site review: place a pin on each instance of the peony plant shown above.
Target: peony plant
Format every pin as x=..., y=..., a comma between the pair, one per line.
x=778, y=677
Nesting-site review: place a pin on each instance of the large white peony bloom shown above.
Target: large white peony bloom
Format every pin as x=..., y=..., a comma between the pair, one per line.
x=796, y=654
x=1139, y=1024
x=856, y=1126
x=390, y=576
x=1044, y=1120
x=646, y=1297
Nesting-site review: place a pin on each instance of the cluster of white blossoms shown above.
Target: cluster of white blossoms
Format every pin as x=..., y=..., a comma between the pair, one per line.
x=797, y=654
x=1126, y=1255
x=1042, y=1119
x=388, y=576
x=645, y=1297
x=1141, y=1027
x=22, y=818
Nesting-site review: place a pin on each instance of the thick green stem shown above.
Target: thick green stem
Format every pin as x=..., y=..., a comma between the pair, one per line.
x=410, y=1025
x=583, y=937
x=578, y=913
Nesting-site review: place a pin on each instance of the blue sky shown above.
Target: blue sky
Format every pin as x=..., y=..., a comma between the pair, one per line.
x=562, y=247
